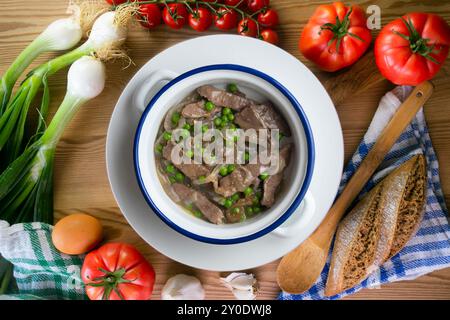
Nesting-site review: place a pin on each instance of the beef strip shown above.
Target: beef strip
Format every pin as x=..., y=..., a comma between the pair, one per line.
x=236, y=181
x=223, y=98
x=208, y=209
x=261, y=116
x=197, y=110
x=271, y=185
x=192, y=171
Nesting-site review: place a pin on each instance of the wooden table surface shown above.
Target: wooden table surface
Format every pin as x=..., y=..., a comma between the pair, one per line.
x=81, y=183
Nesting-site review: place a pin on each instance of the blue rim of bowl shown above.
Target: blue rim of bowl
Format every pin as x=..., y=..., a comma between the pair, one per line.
x=309, y=167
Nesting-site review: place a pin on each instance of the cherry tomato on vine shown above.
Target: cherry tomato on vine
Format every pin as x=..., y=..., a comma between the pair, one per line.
x=175, y=15
x=268, y=18
x=116, y=2
x=150, y=15
x=200, y=19
x=255, y=5
x=247, y=27
x=226, y=19
x=270, y=36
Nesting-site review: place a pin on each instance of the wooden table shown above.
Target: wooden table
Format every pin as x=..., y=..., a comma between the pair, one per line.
x=81, y=184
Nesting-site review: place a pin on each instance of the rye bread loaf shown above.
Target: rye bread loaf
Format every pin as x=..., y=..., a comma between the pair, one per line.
x=378, y=226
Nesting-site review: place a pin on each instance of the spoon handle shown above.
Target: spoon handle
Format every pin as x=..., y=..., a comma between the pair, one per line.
x=400, y=120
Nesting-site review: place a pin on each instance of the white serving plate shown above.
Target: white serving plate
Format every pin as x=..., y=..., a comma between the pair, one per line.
x=256, y=54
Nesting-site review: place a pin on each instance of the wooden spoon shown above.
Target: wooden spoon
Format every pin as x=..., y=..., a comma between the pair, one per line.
x=299, y=269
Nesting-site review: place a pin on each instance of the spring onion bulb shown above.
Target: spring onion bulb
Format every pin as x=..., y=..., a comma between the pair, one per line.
x=61, y=34
x=108, y=33
x=26, y=186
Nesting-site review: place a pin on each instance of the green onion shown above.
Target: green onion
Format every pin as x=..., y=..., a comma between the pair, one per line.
x=26, y=187
x=190, y=154
x=209, y=106
x=105, y=36
x=246, y=156
x=233, y=88
x=172, y=179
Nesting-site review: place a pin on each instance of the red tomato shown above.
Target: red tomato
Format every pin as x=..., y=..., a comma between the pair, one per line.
x=412, y=49
x=117, y=271
x=335, y=36
x=116, y=2
x=226, y=19
x=175, y=15
x=150, y=15
x=200, y=19
x=268, y=18
x=255, y=5
x=270, y=36
x=247, y=27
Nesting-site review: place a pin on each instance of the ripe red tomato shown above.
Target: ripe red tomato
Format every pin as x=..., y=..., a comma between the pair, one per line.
x=412, y=49
x=255, y=5
x=200, y=19
x=226, y=19
x=175, y=15
x=247, y=27
x=270, y=36
x=116, y=2
x=150, y=15
x=268, y=18
x=117, y=271
x=335, y=36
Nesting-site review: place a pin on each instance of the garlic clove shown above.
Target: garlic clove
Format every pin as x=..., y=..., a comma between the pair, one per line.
x=183, y=287
x=242, y=285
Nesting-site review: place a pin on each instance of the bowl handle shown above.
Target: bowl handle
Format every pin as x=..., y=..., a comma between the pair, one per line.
x=299, y=219
x=150, y=86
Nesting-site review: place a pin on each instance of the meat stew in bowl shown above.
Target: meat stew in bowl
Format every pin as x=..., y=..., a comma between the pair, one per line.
x=221, y=155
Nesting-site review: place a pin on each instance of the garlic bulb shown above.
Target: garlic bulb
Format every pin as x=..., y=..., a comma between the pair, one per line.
x=243, y=285
x=183, y=287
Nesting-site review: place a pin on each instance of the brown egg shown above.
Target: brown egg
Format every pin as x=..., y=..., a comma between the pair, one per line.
x=77, y=233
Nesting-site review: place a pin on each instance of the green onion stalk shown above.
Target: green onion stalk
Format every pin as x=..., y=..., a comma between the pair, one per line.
x=108, y=33
x=26, y=185
x=60, y=35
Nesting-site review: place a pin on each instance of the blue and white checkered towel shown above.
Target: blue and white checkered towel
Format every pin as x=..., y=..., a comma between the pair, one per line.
x=429, y=249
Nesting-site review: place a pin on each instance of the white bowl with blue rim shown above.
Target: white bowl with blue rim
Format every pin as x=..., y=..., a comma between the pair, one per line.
x=292, y=197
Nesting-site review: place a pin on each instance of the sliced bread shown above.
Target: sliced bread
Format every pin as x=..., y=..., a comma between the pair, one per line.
x=379, y=226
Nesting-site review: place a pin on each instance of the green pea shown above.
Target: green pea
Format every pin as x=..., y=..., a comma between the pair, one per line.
x=224, y=119
x=235, y=197
x=209, y=106
x=172, y=179
x=255, y=202
x=258, y=195
x=175, y=118
x=235, y=210
x=218, y=122
x=159, y=148
x=231, y=168
x=232, y=87
x=184, y=134
x=249, y=210
x=223, y=171
x=167, y=136
x=247, y=157
x=187, y=126
x=248, y=191
x=170, y=168
x=264, y=176
x=232, y=127
x=230, y=117
x=202, y=178
x=198, y=214
x=204, y=128
x=189, y=206
x=227, y=203
x=226, y=111
x=190, y=154
x=256, y=209
x=179, y=177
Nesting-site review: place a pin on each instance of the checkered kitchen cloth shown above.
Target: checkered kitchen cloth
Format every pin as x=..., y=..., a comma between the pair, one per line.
x=40, y=270
x=429, y=249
